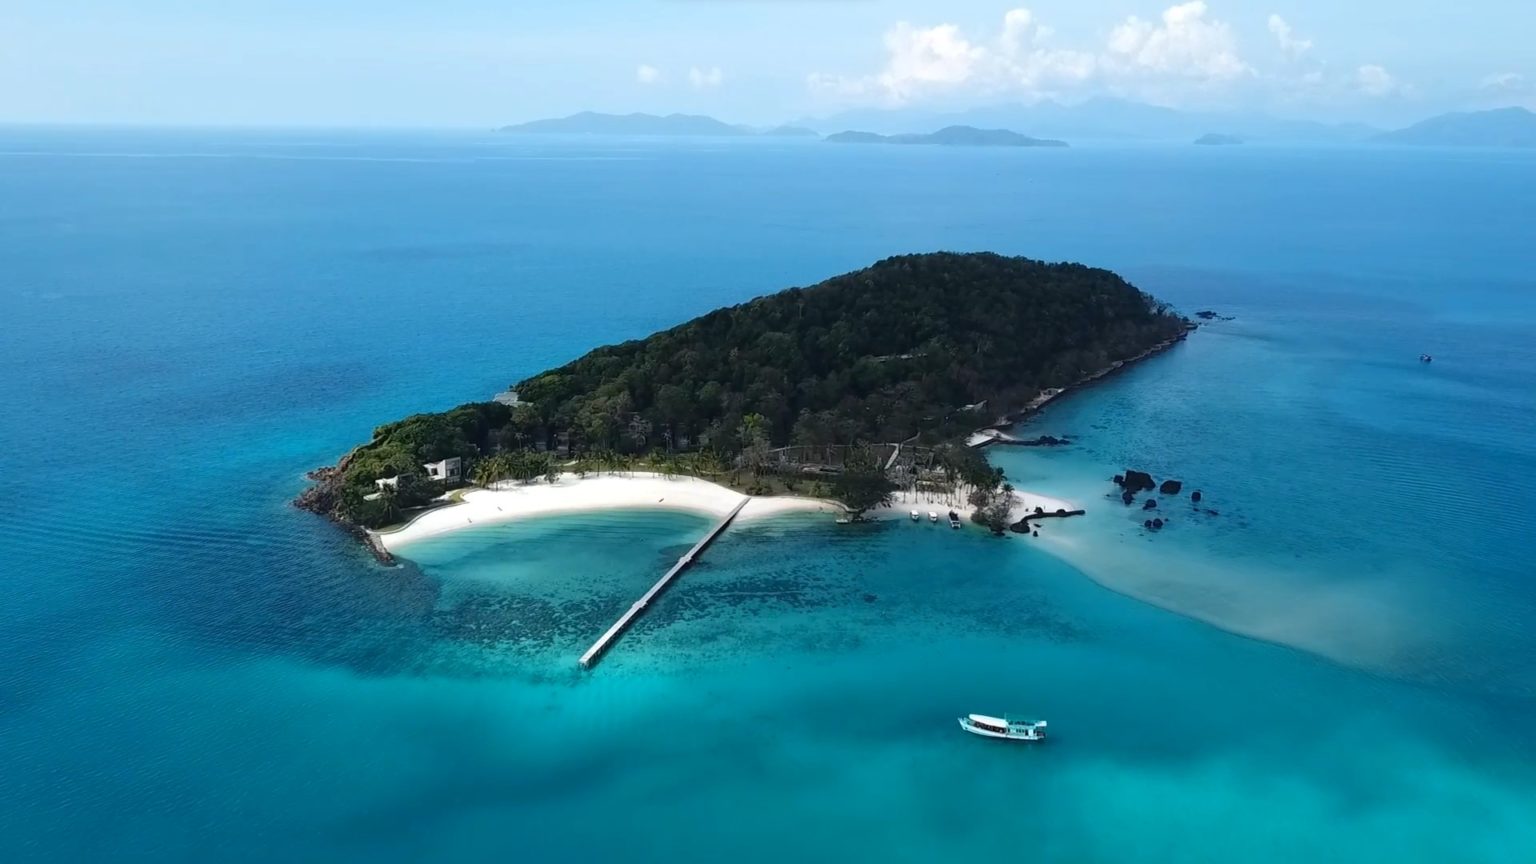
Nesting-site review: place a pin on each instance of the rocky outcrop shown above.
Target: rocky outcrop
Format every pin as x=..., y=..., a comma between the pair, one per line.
x=1150, y=505
x=1195, y=496
x=324, y=497
x=1023, y=525
x=1171, y=487
x=1134, y=481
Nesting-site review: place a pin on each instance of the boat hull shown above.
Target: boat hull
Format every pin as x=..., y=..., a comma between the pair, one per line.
x=1033, y=735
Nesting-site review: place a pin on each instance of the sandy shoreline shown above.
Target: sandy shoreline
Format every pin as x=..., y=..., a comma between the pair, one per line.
x=510, y=501
x=905, y=502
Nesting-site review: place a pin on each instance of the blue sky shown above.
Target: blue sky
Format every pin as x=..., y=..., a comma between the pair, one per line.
x=482, y=63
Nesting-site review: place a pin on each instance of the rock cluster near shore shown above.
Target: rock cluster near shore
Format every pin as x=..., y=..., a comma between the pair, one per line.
x=1133, y=482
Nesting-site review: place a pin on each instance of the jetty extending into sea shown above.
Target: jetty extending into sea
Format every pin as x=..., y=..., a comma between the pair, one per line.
x=637, y=608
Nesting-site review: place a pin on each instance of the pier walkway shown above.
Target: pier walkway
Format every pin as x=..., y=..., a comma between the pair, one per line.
x=639, y=606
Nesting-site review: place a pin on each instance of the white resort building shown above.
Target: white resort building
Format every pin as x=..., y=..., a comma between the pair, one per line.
x=446, y=470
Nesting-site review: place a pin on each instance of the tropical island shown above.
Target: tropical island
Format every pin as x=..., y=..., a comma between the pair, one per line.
x=949, y=136
x=850, y=389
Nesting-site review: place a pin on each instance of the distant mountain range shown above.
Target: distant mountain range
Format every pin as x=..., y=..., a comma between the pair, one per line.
x=1503, y=127
x=1217, y=139
x=1096, y=119
x=949, y=136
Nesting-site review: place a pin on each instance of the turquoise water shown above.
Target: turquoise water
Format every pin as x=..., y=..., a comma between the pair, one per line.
x=193, y=671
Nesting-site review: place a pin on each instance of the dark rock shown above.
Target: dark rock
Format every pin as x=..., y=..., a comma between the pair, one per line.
x=1195, y=496
x=1157, y=523
x=1150, y=505
x=1128, y=496
x=1212, y=513
x=1037, y=533
x=1170, y=487
x=870, y=598
x=1147, y=524
x=1209, y=315
x=1044, y=441
x=1039, y=509
x=1137, y=481
x=321, y=498
x=1119, y=479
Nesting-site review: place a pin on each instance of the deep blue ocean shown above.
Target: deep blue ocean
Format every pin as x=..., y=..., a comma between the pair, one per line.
x=1339, y=665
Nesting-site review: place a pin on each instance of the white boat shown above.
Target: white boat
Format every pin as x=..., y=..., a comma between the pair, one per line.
x=932, y=516
x=1003, y=727
x=916, y=516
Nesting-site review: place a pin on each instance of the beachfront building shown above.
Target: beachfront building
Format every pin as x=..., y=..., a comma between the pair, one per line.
x=388, y=482
x=448, y=470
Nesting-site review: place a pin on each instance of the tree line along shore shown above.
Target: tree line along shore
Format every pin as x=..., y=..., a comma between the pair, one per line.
x=848, y=389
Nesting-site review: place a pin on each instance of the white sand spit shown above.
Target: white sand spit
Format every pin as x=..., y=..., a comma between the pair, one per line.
x=510, y=501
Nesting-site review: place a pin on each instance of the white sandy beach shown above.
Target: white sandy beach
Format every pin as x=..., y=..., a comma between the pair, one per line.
x=923, y=502
x=572, y=494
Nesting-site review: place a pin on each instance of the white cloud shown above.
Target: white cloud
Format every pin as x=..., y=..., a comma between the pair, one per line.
x=1373, y=80
x=1183, y=52
x=1506, y=82
x=1018, y=29
x=647, y=74
x=926, y=61
x=704, y=79
x=1186, y=45
x=1293, y=46
x=1027, y=63
x=924, y=58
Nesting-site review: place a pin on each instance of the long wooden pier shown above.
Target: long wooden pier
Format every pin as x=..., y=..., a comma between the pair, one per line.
x=639, y=606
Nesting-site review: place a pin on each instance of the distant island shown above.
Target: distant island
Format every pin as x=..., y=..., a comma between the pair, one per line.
x=593, y=123
x=1099, y=119
x=1503, y=127
x=949, y=136
x=1214, y=139
x=919, y=349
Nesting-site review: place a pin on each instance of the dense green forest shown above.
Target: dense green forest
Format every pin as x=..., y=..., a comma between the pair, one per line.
x=878, y=355
x=893, y=352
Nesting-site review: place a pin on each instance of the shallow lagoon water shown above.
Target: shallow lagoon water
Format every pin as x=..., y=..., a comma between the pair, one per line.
x=192, y=670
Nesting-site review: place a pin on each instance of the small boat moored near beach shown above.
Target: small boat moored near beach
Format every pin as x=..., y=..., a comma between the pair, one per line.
x=933, y=516
x=916, y=516
x=954, y=519
x=1003, y=727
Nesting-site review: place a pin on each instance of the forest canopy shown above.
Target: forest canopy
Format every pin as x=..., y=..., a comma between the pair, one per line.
x=882, y=354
